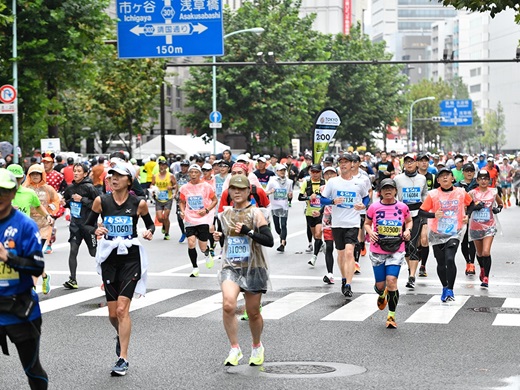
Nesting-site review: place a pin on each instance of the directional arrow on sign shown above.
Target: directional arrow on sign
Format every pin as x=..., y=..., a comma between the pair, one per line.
x=163, y=29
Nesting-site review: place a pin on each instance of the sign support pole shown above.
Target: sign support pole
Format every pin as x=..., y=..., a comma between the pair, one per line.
x=15, y=85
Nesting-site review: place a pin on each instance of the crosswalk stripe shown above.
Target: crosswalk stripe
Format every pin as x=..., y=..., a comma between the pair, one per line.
x=289, y=304
x=358, y=310
x=70, y=299
x=436, y=312
x=199, y=308
x=508, y=319
x=149, y=299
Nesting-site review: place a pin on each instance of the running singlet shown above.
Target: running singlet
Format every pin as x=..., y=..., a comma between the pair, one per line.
x=197, y=197
x=388, y=220
x=120, y=220
x=20, y=237
x=164, y=193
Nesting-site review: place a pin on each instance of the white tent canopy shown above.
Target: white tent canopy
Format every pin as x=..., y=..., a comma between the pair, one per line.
x=185, y=145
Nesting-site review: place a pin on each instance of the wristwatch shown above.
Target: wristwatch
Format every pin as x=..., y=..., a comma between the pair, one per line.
x=207, y=211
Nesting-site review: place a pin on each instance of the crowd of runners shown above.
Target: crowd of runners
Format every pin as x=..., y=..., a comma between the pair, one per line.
x=387, y=206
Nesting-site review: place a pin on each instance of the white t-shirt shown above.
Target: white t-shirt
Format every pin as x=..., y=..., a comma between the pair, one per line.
x=364, y=180
x=411, y=190
x=279, y=199
x=344, y=215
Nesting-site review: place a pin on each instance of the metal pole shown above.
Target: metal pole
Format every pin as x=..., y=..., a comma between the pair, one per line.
x=214, y=100
x=163, y=117
x=15, y=85
x=410, y=118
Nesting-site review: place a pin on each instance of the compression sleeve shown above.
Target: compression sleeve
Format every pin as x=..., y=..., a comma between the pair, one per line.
x=91, y=222
x=263, y=236
x=425, y=214
x=325, y=201
x=26, y=265
x=470, y=208
x=148, y=222
x=366, y=200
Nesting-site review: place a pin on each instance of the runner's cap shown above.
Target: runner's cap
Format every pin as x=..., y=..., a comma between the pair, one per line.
x=7, y=179
x=239, y=181
x=16, y=170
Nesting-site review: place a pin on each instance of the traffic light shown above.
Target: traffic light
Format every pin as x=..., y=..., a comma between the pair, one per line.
x=437, y=119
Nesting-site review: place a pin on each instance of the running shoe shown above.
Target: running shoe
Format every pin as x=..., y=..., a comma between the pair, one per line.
x=309, y=249
x=346, y=290
x=312, y=261
x=329, y=279
x=48, y=250
x=118, y=346
x=357, y=269
x=210, y=260
x=509, y=203
x=411, y=282
x=194, y=273
x=470, y=269
x=120, y=368
x=166, y=236
x=281, y=249
x=257, y=356
x=450, y=297
x=390, y=323
x=183, y=237
x=363, y=251
x=235, y=354
x=71, y=284
x=485, y=282
x=46, y=285
x=422, y=272
x=382, y=300
x=444, y=294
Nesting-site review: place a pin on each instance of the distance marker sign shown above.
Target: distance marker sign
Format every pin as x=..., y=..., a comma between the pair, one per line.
x=169, y=28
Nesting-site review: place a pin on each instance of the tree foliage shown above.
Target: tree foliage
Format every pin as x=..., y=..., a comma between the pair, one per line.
x=275, y=102
x=367, y=97
x=494, y=129
x=493, y=6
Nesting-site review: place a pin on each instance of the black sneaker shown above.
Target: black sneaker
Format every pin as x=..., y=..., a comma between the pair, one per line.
x=71, y=284
x=411, y=282
x=120, y=368
x=281, y=249
x=346, y=290
x=118, y=346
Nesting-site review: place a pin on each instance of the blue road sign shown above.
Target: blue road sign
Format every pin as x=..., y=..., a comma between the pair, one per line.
x=168, y=28
x=215, y=117
x=456, y=112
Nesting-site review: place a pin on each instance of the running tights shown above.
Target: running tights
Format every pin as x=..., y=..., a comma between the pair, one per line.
x=309, y=234
x=180, y=221
x=280, y=225
x=445, y=256
x=425, y=252
x=329, y=257
x=29, y=351
x=73, y=259
x=357, y=252
x=468, y=249
x=317, y=246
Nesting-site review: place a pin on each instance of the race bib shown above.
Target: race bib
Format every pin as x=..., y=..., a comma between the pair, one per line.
x=389, y=228
x=411, y=195
x=349, y=199
x=238, y=249
x=280, y=194
x=382, y=168
x=447, y=225
x=75, y=209
x=482, y=215
x=163, y=195
x=195, y=202
x=8, y=274
x=218, y=189
x=316, y=202
x=119, y=226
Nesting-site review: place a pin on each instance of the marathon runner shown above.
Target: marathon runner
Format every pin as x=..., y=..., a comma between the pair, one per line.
x=167, y=190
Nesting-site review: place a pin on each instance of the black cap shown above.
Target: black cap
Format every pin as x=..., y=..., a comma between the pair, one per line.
x=345, y=156
x=185, y=162
x=420, y=156
x=482, y=173
x=468, y=167
x=329, y=159
x=315, y=167
x=355, y=157
x=444, y=169
x=387, y=182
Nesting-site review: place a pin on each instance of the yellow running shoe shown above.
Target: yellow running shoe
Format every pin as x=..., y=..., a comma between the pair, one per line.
x=46, y=285
x=390, y=323
x=382, y=300
x=235, y=354
x=257, y=356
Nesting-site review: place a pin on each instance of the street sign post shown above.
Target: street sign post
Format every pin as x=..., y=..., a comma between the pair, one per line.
x=155, y=29
x=456, y=112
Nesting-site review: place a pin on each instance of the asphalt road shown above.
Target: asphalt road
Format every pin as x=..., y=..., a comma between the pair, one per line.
x=178, y=341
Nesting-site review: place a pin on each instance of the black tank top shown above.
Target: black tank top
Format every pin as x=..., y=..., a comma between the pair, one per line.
x=120, y=220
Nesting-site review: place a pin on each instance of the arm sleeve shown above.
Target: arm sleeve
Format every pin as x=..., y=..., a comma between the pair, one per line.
x=264, y=236
x=325, y=201
x=91, y=222
x=148, y=222
x=366, y=200
x=470, y=208
x=27, y=265
x=425, y=214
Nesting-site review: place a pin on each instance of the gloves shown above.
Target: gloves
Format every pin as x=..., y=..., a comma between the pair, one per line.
x=244, y=229
x=479, y=206
x=496, y=210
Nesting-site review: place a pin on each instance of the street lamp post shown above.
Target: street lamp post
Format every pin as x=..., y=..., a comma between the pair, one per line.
x=410, y=119
x=255, y=30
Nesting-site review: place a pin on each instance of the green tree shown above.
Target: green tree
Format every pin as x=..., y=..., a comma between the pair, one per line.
x=57, y=40
x=274, y=102
x=494, y=129
x=492, y=6
x=367, y=97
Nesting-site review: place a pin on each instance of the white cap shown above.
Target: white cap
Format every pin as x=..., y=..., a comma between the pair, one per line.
x=330, y=169
x=262, y=159
x=207, y=166
x=458, y=160
x=279, y=167
x=470, y=158
x=243, y=157
x=195, y=166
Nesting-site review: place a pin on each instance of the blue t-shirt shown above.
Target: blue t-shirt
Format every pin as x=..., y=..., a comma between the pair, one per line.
x=21, y=237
